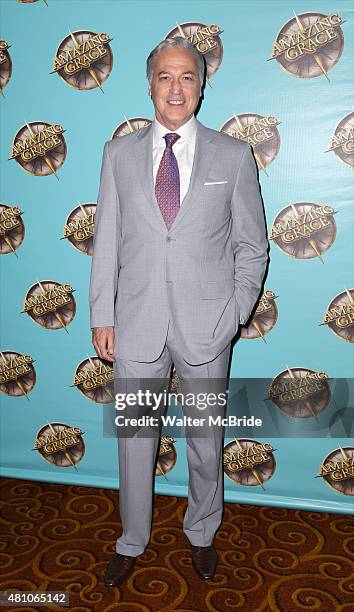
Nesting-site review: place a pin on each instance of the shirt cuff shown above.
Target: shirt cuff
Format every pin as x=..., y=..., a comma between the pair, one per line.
x=243, y=320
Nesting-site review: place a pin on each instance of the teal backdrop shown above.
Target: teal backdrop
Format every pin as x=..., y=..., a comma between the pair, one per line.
x=308, y=110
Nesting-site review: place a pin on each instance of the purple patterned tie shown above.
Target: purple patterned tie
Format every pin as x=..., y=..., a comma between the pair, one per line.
x=167, y=182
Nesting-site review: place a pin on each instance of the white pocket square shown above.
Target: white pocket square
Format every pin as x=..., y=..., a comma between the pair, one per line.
x=215, y=183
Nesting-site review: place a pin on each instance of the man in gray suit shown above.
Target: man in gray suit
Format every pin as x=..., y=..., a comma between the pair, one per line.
x=180, y=253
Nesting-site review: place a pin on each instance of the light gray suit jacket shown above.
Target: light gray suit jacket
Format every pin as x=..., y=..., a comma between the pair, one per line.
x=206, y=272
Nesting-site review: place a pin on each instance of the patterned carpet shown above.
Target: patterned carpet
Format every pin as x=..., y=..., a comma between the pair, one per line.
x=57, y=537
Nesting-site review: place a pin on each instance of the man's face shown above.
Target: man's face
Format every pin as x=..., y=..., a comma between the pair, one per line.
x=175, y=88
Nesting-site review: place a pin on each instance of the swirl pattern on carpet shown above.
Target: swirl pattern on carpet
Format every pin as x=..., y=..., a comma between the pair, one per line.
x=60, y=537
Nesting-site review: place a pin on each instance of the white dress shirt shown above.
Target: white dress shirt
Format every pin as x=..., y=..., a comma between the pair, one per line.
x=183, y=149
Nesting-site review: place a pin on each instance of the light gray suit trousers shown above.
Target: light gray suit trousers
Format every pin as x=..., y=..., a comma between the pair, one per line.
x=137, y=456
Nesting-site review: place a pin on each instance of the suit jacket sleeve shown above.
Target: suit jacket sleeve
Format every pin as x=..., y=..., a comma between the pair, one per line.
x=249, y=235
x=105, y=264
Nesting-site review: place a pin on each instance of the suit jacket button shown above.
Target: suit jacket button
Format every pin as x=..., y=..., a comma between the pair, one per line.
x=168, y=238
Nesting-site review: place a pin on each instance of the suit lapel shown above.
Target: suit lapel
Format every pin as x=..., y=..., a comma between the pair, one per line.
x=204, y=153
x=144, y=168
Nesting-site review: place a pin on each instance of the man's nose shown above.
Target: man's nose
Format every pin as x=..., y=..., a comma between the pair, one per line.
x=176, y=86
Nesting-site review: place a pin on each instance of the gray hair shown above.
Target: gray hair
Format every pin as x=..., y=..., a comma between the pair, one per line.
x=176, y=41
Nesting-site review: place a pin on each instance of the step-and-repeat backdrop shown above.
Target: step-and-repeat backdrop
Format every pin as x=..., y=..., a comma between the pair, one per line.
x=280, y=76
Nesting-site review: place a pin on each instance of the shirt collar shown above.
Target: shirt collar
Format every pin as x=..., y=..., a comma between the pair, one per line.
x=187, y=131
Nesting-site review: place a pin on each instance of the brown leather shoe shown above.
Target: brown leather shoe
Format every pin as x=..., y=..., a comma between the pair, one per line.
x=204, y=561
x=118, y=569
